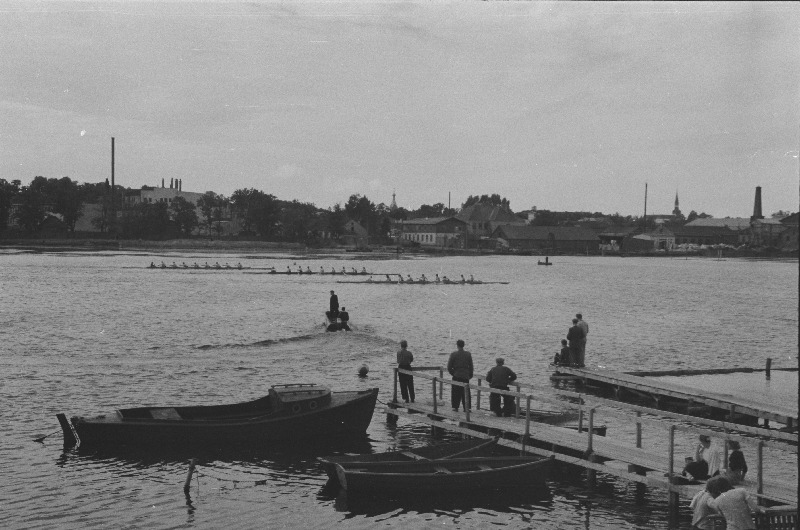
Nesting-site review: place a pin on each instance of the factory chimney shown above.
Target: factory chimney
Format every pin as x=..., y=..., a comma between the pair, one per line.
x=757, y=205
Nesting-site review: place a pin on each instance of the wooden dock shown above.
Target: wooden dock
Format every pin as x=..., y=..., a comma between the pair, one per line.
x=618, y=454
x=668, y=395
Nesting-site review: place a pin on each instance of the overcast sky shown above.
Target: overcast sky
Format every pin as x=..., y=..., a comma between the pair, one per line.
x=565, y=106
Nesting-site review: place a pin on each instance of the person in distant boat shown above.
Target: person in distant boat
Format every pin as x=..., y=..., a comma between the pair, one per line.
x=344, y=318
x=344, y=271
x=355, y=271
x=499, y=377
x=462, y=279
x=575, y=336
x=471, y=278
x=388, y=279
x=152, y=265
x=406, y=381
x=585, y=327
x=459, y=365
x=207, y=266
x=196, y=266
x=288, y=270
x=423, y=279
x=333, y=314
x=308, y=270
x=184, y=265
x=445, y=279
x=363, y=270
x=437, y=279
x=369, y=279
x=217, y=265
x=174, y=265
x=321, y=270
x=409, y=279
x=239, y=265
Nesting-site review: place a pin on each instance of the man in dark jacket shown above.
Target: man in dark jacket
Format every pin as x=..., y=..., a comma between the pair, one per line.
x=460, y=367
x=499, y=377
x=333, y=314
x=344, y=317
x=575, y=337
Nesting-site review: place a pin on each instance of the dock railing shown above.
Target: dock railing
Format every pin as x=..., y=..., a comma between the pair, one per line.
x=587, y=408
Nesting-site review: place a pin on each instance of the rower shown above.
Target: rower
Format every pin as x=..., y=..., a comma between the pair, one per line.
x=321, y=270
x=471, y=279
x=196, y=266
x=462, y=279
x=344, y=271
x=369, y=279
x=239, y=265
x=409, y=279
x=437, y=280
x=423, y=279
x=388, y=279
x=184, y=265
x=152, y=265
x=308, y=270
x=363, y=270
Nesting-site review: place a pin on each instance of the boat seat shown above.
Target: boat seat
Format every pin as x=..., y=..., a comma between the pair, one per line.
x=165, y=414
x=440, y=469
x=485, y=467
x=413, y=456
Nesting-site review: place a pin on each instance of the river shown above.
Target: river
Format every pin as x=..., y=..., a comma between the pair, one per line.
x=85, y=333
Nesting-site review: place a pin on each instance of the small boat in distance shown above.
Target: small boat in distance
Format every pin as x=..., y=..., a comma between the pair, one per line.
x=546, y=261
x=442, y=476
x=291, y=412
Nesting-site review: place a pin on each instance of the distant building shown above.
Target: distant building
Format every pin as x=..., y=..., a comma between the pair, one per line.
x=658, y=239
x=151, y=194
x=483, y=219
x=547, y=239
x=441, y=232
x=355, y=234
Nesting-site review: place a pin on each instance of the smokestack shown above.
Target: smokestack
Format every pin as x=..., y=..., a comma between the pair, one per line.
x=180, y=185
x=757, y=205
x=113, y=210
x=162, y=182
x=170, y=183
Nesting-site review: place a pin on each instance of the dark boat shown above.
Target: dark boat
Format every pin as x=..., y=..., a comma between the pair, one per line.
x=471, y=447
x=442, y=476
x=546, y=261
x=289, y=412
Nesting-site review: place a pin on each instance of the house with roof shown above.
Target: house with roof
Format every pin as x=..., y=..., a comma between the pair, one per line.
x=439, y=232
x=659, y=239
x=788, y=238
x=547, y=239
x=483, y=219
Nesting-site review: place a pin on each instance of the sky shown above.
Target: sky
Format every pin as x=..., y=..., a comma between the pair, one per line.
x=565, y=106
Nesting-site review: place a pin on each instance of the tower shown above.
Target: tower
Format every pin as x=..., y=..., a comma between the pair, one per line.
x=394, y=204
x=757, y=206
x=677, y=211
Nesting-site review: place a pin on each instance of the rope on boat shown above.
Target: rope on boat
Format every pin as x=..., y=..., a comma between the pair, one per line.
x=193, y=469
x=42, y=438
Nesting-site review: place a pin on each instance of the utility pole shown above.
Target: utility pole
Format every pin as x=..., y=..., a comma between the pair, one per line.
x=644, y=224
x=113, y=206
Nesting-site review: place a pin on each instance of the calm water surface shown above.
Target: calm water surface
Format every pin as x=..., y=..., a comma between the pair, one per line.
x=87, y=333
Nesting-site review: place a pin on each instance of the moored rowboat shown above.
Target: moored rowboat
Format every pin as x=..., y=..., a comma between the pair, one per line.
x=288, y=412
x=442, y=476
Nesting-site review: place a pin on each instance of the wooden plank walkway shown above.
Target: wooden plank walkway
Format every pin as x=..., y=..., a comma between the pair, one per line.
x=658, y=390
x=612, y=454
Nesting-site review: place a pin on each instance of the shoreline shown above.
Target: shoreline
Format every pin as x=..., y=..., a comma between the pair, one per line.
x=373, y=252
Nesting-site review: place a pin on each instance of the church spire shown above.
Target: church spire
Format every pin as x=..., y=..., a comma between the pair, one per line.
x=677, y=211
x=394, y=204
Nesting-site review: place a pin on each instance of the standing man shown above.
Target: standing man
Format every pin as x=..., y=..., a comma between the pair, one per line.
x=333, y=314
x=575, y=336
x=499, y=377
x=460, y=367
x=585, y=327
x=404, y=360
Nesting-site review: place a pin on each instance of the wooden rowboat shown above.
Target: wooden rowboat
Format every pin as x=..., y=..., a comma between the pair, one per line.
x=442, y=476
x=289, y=412
x=471, y=447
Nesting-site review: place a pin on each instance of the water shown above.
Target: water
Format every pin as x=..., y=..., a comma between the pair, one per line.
x=85, y=333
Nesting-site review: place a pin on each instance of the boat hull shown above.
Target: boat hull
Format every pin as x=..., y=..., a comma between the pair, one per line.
x=348, y=414
x=442, y=477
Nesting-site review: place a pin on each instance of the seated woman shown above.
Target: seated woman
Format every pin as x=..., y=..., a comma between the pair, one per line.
x=707, y=460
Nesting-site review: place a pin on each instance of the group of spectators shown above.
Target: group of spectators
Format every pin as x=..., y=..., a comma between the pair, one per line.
x=720, y=496
x=461, y=368
x=573, y=348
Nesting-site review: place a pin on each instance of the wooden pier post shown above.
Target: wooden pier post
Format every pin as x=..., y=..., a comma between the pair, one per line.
x=188, y=483
x=760, y=472
x=674, y=498
x=638, y=429
x=467, y=402
x=517, y=404
x=478, y=397
x=441, y=385
x=769, y=368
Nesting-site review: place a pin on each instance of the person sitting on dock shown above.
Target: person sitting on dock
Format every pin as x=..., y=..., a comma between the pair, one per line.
x=562, y=358
x=575, y=336
x=459, y=365
x=406, y=381
x=737, y=467
x=499, y=377
x=707, y=460
x=344, y=318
